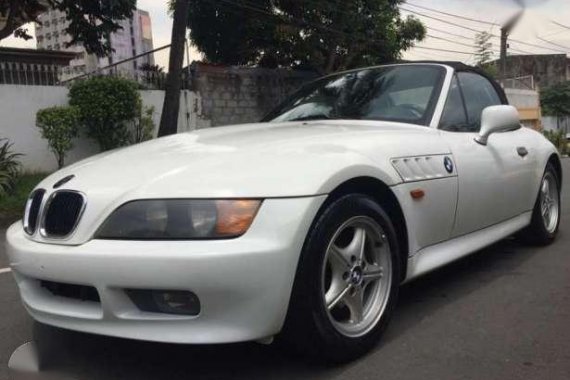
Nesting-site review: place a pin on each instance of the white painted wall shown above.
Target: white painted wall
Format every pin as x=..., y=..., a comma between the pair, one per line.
x=19, y=105
x=550, y=123
x=523, y=98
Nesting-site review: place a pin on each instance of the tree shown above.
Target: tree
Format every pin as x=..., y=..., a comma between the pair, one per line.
x=484, y=53
x=107, y=106
x=59, y=126
x=171, y=106
x=91, y=21
x=325, y=35
x=555, y=101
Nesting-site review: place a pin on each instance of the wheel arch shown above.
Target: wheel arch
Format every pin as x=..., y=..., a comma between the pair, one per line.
x=382, y=193
x=555, y=161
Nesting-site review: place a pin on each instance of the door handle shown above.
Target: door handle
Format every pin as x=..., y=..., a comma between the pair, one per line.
x=521, y=150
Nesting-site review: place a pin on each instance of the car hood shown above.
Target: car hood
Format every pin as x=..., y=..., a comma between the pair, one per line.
x=251, y=160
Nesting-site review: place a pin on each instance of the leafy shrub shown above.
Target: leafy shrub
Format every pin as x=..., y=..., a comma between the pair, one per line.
x=107, y=106
x=558, y=139
x=59, y=126
x=9, y=167
x=143, y=126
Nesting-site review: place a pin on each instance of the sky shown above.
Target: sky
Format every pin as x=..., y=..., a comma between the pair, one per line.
x=538, y=21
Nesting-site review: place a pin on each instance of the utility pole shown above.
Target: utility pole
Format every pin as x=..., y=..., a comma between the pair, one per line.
x=505, y=31
x=169, y=117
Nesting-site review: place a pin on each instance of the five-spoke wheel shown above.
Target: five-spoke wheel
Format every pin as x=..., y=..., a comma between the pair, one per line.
x=347, y=280
x=357, y=276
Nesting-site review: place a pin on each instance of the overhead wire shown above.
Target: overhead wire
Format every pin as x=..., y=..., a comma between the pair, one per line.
x=452, y=14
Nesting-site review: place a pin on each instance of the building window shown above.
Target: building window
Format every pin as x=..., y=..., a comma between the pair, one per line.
x=56, y=46
x=46, y=24
x=49, y=47
x=48, y=36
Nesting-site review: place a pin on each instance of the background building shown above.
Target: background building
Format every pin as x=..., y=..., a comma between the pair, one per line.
x=134, y=38
x=537, y=71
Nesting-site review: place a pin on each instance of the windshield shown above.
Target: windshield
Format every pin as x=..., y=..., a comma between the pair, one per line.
x=405, y=93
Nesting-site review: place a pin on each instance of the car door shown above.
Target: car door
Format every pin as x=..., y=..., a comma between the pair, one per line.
x=494, y=179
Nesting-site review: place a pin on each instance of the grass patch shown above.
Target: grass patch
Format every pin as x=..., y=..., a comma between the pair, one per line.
x=12, y=206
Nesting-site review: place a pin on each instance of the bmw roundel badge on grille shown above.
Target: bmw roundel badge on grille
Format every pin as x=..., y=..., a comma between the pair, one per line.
x=63, y=181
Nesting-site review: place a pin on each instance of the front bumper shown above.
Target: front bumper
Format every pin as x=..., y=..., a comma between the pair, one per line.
x=243, y=284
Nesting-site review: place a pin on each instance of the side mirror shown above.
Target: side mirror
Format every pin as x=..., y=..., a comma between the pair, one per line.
x=497, y=119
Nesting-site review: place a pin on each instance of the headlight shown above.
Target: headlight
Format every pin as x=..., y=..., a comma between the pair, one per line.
x=180, y=219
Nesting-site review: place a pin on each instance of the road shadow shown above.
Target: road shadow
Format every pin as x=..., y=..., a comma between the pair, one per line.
x=84, y=356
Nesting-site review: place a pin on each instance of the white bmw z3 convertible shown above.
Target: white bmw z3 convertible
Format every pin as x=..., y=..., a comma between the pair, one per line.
x=300, y=227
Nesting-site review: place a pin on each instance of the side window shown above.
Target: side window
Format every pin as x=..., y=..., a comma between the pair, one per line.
x=454, y=117
x=479, y=94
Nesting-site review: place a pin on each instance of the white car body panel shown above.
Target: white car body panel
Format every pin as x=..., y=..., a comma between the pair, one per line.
x=438, y=255
x=248, y=161
x=486, y=195
x=244, y=284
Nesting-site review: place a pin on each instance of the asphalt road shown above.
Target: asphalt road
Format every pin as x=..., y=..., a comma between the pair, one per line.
x=503, y=313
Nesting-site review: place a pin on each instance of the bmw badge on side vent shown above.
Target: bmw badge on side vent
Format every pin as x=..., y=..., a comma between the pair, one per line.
x=448, y=164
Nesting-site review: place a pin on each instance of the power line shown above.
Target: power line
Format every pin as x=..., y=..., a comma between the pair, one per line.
x=449, y=33
x=553, y=43
x=440, y=19
x=449, y=40
x=452, y=14
x=479, y=31
x=444, y=50
x=559, y=24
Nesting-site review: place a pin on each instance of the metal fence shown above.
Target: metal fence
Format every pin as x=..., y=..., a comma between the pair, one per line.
x=29, y=74
x=139, y=68
x=520, y=83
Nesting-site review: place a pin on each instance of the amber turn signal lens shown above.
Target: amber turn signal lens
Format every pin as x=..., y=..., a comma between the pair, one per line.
x=417, y=193
x=235, y=216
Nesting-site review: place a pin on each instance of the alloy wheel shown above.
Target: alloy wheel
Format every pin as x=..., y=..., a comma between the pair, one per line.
x=357, y=276
x=549, y=202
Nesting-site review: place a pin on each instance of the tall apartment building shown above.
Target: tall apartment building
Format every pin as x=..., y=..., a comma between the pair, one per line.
x=134, y=38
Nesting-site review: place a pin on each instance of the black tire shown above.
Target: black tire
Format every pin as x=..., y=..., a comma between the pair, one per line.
x=537, y=232
x=308, y=329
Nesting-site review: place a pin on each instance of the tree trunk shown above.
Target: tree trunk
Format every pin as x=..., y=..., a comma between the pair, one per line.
x=169, y=117
x=60, y=159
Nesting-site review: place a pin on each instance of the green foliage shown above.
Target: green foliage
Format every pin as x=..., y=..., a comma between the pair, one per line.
x=143, y=126
x=9, y=167
x=558, y=139
x=483, y=48
x=59, y=126
x=484, y=53
x=323, y=35
x=12, y=205
x=91, y=21
x=107, y=106
x=555, y=100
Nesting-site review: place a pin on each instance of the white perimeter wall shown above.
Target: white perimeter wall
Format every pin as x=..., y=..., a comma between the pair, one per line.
x=19, y=105
x=523, y=98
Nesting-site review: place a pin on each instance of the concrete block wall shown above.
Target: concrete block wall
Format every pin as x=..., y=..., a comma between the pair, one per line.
x=235, y=95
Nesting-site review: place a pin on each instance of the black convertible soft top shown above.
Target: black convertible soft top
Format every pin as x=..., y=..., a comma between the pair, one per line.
x=460, y=66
